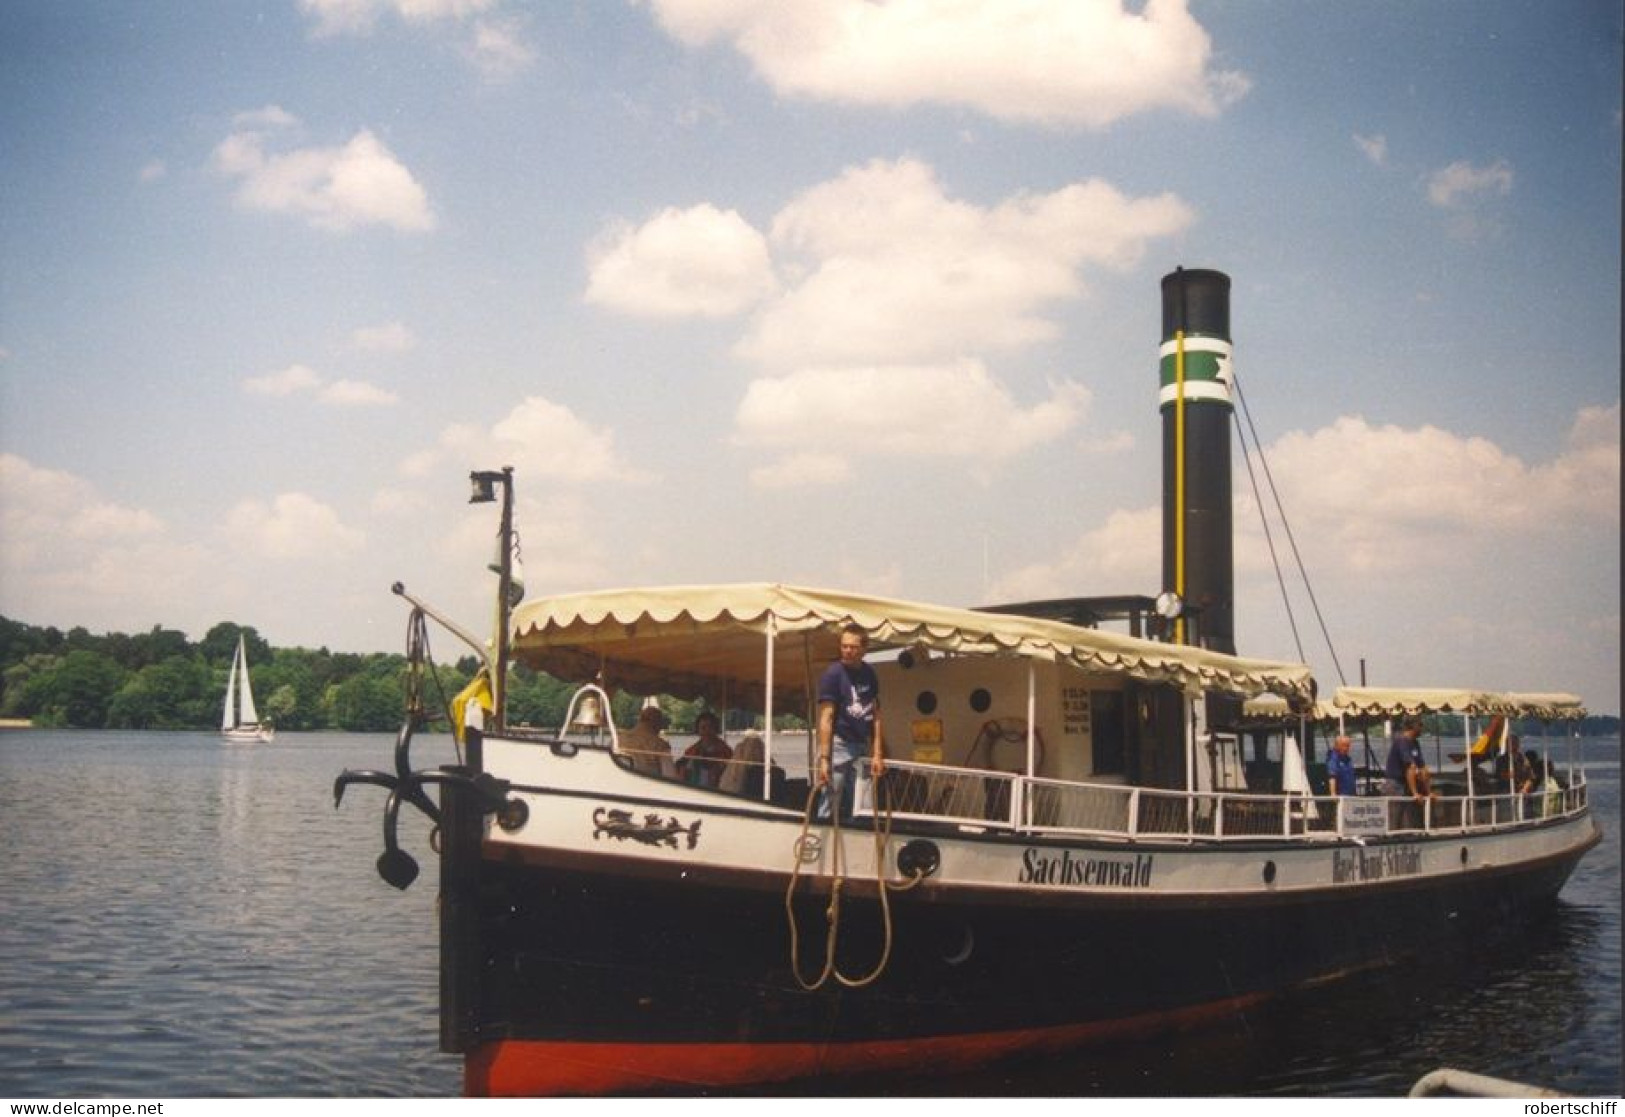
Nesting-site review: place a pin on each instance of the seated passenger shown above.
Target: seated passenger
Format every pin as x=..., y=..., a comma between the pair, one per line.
x=745, y=769
x=1544, y=771
x=1513, y=774
x=743, y=774
x=703, y=764
x=649, y=752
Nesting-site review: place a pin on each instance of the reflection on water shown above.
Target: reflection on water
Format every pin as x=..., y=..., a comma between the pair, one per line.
x=187, y=918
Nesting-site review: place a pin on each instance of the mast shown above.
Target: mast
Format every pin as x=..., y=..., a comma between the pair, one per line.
x=485, y=483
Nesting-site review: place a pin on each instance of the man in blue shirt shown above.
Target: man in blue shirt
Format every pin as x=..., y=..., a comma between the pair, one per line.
x=1340, y=769
x=848, y=721
x=1407, y=774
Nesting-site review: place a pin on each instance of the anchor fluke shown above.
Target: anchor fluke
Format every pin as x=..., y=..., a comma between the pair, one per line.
x=348, y=777
x=398, y=868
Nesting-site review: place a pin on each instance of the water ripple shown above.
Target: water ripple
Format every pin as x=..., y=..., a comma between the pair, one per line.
x=186, y=919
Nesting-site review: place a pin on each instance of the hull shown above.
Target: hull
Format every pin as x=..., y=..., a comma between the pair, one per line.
x=579, y=962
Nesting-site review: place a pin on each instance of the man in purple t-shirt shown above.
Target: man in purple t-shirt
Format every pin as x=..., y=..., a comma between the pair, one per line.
x=848, y=721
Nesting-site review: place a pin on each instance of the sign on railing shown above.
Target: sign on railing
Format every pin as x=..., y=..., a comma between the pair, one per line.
x=1363, y=817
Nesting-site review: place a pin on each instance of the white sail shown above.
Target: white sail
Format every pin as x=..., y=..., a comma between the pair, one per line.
x=228, y=716
x=250, y=716
x=240, y=721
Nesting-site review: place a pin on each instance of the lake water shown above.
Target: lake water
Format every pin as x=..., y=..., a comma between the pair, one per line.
x=181, y=917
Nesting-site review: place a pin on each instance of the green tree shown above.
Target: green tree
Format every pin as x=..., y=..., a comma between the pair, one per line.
x=367, y=703
x=292, y=688
x=27, y=684
x=178, y=693
x=534, y=699
x=219, y=644
x=282, y=707
x=81, y=690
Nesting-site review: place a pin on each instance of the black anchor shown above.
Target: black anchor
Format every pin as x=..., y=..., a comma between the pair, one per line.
x=395, y=865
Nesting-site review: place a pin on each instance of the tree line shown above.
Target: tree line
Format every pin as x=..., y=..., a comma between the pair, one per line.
x=162, y=680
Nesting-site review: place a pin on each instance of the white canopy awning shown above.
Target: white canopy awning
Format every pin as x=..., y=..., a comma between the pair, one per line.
x=1399, y=701
x=1272, y=707
x=1550, y=707
x=688, y=640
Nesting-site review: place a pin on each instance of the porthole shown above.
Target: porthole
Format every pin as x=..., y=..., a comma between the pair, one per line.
x=1464, y=855
x=980, y=700
x=513, y=815
x=1269, y=872
x=926, y=702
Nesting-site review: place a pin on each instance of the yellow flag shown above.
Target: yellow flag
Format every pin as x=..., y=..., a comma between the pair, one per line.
x=1489, y=741
x=477, y=691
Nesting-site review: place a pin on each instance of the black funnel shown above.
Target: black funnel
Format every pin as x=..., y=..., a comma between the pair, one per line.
x=1197, y=550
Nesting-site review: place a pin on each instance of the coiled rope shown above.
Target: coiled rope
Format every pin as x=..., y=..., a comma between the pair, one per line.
x=832, y=914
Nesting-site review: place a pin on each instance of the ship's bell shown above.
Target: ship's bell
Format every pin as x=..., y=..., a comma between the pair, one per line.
x=590, y=713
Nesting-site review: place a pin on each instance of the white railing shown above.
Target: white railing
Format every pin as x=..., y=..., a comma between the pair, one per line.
x=975, y=797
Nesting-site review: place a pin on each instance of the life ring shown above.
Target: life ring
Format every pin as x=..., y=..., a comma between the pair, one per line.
x=1010, y=731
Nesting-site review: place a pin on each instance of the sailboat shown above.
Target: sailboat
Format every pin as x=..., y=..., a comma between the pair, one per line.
x=240, y=721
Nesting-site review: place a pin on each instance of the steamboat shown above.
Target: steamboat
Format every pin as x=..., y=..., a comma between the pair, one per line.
x=1067, y=844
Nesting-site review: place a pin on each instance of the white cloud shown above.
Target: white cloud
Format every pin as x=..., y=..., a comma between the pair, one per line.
x=336, y=188
x=497, y=48
x=389, y=337
x=69, y=556
x=286, y=382
x=354, y=17
x=1357, y=489
x=494, y=44
x=1120, y=556
x=1383, y=507
x=1108, y=445
x=153, y=170
x=698, y=261
x=356, y=393
x=36, y=496
x=269, y=118
x=893, y=292
x=952, y=410
x=893, y=270
x=293, y=526
x=1375, y=148
x=796, y=469
x=542, y=440
x=301, y=380
x=399, y=503
x=466, y=545
x=1067, y=63
x=1461, y=182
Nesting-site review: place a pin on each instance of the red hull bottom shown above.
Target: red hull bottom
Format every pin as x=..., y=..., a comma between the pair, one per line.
x=537, y=1068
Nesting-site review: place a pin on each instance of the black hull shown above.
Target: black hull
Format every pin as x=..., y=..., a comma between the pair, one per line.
x=641, y=972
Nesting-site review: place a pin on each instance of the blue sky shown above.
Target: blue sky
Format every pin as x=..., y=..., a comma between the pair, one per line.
x=847, y=294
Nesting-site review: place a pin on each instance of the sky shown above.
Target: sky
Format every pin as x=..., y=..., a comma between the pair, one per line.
x=842, y=293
